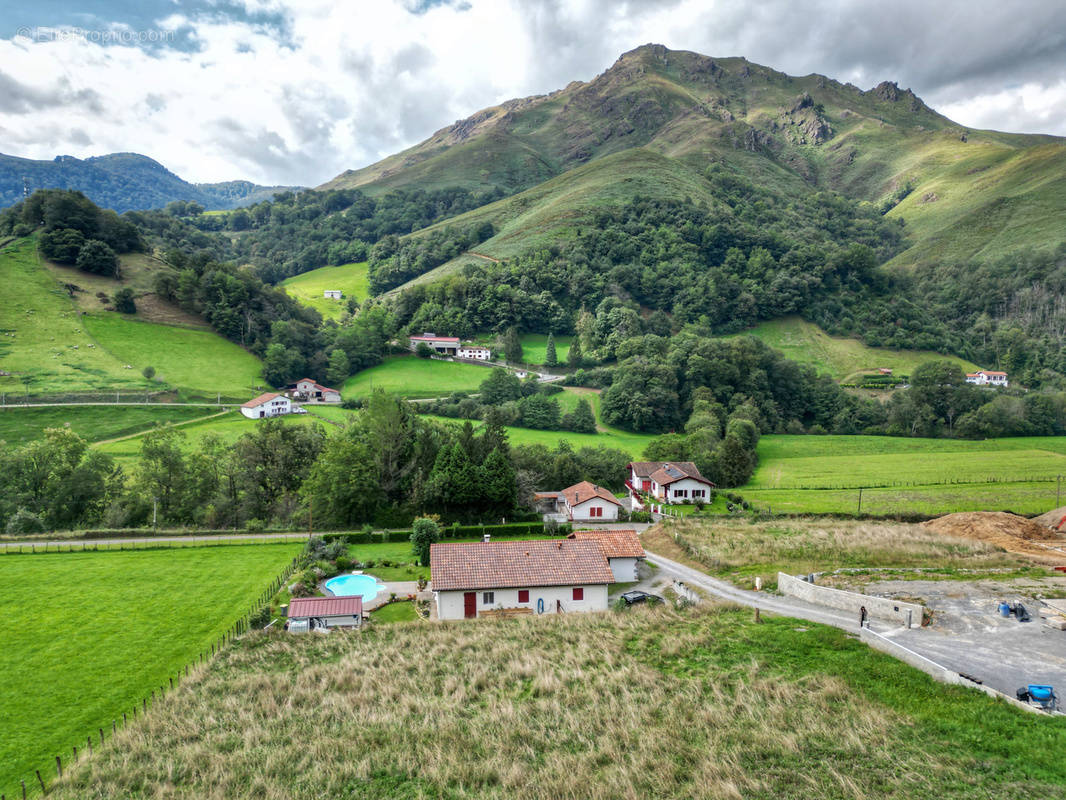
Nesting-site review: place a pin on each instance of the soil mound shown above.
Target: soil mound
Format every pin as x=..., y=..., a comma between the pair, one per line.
x=1052, y=518
x=1013, y=533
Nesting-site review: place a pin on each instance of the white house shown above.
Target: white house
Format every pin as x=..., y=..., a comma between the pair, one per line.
x=587, y=502
x=333, y=294
x=311, y=613
x=987, y=378
x=552, y=576
x=667, y=482
x=622, y=549
x=271, y=404
x=475, y=351
x=443, y=345
x=307, y=390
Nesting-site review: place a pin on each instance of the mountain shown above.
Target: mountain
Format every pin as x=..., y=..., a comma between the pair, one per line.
x=962, y=193
x=123, y=182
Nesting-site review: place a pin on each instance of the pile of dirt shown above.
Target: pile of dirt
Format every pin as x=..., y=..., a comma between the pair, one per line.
x=1013, y=533
x=1052, y=518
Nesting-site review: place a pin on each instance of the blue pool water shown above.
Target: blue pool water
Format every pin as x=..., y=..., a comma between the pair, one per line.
x=365, y=586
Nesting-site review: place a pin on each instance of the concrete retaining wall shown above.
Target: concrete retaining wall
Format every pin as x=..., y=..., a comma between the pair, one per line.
x=906, y=614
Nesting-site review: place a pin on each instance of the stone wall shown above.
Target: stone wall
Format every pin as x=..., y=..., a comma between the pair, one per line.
x=906, y=614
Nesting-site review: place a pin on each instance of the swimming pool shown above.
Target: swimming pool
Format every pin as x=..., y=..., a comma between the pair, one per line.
x=366, y=586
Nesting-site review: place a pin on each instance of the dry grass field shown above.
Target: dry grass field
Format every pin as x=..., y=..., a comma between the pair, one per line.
x=652, y=703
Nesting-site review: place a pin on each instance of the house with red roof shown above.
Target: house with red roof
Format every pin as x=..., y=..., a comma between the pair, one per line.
x=553, y=576
x=308, y=391
x=622, y=549
x=985, y=377
x=323, y=613
x=667, y=482
x=271, y=404
x=587, y=502
x=443, y=345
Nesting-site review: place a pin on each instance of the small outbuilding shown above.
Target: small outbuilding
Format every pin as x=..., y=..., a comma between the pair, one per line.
x=333, y=294
x=271, y=404
x=622, y=549
x=323, y=613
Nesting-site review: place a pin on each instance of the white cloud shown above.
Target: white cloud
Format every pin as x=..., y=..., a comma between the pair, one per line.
x=339, y=85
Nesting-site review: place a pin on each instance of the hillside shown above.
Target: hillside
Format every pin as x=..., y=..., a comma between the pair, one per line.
x=121, y=182
x=964, y=193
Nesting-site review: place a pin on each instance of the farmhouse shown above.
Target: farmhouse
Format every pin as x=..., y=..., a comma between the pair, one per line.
x=323, y=613
x=541, y=577
x=667, y=482
x=474, y=351
x=443, y=345
x=585, y=502
x=333, y=294
x=306, y=390
x=271, y=404
x=987, y=378
x=622, y=549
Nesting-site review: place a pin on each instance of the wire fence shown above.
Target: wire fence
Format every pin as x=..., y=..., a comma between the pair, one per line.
x=37, y=784
x=130, y=397
x=93, y=546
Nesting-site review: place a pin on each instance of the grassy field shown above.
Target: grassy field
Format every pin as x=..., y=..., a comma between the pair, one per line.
x=93, y=423
x=410, y=376
x=651, y=703
x=227, y=427
x=822, y=474
x=43, y=343
x=842, y=358
x=109, y=628
x=739, y=549
x=632, y=443
x=535, y=347
x=308, y=287
x=182, y=357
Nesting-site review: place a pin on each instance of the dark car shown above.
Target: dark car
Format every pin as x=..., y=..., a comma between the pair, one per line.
x=637, y=596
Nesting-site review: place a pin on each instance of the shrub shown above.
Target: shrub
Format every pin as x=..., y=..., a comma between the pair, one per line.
x=260, y=618
x=23, y=521
x=255, y=525
x=344, y=563
x=640, y=516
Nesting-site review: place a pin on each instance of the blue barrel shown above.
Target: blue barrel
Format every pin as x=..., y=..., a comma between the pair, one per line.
x=1004, y=609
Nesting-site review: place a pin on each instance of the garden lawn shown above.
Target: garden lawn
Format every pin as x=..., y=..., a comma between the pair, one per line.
x=87, y=635
x=94, y=423
x=352, y=279
x=43, y=341
x=402, y=611
x=411, y=376
x=186, y=358
x=535, y=348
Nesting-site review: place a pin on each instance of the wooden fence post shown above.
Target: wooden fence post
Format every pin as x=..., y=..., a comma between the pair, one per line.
x=40, y=780
x=59, y=766
x=101, y=737
x=23, y=789
x=89, y=739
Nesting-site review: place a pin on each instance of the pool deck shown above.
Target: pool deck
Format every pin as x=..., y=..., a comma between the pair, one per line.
x=386, y=588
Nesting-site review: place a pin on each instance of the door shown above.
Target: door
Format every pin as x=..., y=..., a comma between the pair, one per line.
x=469, y=605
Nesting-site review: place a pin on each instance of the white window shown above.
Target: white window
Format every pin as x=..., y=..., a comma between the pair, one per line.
x=488, y=598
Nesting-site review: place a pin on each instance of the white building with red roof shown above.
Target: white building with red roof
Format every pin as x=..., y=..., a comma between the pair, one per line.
x=308, y=391
x=312, y=613
x=587, y=502
x=551, y=576
x=271, y=404
x=985, y=377
x=443, y=345
x=667, y=482
x=622, y=549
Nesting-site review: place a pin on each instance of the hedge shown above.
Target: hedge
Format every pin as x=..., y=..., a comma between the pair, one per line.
x=447, y=532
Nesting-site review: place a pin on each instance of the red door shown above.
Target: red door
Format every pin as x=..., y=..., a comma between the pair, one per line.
x=470, y=605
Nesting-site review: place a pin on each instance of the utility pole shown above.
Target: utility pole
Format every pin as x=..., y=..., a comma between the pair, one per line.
x=155, y=504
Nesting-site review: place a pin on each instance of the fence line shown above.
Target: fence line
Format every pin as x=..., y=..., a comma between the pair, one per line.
x=239, y=627
x=91, y=546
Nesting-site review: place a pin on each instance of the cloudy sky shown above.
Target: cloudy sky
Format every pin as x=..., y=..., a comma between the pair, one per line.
x=296, y=91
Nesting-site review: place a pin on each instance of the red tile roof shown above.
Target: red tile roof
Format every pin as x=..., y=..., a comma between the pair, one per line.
x=263, y=398
x=300, y=607
x=615, y=544
x=585, y=491
x=435, y=339
x=501, y=565
x=666, y=472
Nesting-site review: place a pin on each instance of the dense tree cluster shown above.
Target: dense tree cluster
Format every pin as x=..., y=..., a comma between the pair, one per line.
x=394, y=261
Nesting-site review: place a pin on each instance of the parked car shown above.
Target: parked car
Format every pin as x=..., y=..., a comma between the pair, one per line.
x=637, y=596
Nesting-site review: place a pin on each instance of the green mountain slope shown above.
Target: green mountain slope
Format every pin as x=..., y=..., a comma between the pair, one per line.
x=966, y=193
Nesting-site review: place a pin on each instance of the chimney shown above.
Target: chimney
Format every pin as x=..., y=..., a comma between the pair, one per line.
x=484, y=537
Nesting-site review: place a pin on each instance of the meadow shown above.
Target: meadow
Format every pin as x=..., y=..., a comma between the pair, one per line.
x=739, y=549
x=43, y=342
x=843, y=359
x=656, y=703
x=352, y=279
x=822, y=474
x=93, y=423
x=413, y=377
x=182, y=357
x=87, y=635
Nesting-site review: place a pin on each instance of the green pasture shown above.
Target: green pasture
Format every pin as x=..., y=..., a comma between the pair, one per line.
x=87, y=635
x=44, y=345
x=632, y=443
x=414, y=377
x=91, y=422
x=842, y=358
x=182, y=357
x=352, y=279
